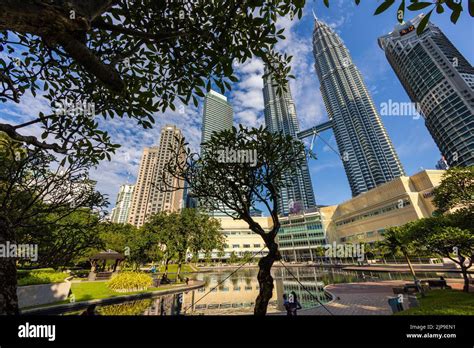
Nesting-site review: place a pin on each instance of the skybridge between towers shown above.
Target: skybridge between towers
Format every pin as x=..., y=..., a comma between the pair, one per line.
x=314, y=130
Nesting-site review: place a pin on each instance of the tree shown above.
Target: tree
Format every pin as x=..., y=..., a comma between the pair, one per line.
x=398, y=239
x=233, y=258
x=34, y=195
x=247, y=257
x=235, y=187
x=456, y=190
x=116, y=58
x=453, y=6
x=139, y=246
x=163, y=227
x=197, y=233
x=185, y=232
x=448, y=236
x=62, y=241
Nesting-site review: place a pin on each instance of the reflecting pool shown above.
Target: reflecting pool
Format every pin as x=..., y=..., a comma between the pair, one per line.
x=233, y=293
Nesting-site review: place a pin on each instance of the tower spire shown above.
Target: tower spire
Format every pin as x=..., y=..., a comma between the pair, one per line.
x=314, y=15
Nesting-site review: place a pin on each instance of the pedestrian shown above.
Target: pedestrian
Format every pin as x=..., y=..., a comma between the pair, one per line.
x=286, y=304
x=294, y=305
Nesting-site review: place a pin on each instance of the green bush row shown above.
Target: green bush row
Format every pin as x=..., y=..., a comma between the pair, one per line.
x=129, y=282
x=43, y=276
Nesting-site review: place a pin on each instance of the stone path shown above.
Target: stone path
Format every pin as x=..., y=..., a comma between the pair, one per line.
x=368, y=298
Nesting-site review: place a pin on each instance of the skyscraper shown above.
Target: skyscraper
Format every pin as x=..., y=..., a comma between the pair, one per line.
x=367, y=153
x=218, y=115
x=280, y=116
x=149, y=197
x=437, y=77
x=122, y=205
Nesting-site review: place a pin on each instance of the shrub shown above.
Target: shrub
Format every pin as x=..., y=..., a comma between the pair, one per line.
x=40, y=276
x=129, y=282
x=127, y=308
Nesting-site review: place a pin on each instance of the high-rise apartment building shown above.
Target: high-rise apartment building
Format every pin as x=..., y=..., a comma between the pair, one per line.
x=440, y=80
x=280, y=116
x=122, y=205
x=368, y=155
x=150, y=195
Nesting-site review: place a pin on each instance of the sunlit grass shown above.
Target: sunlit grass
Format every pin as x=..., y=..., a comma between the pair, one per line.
x=443, y=302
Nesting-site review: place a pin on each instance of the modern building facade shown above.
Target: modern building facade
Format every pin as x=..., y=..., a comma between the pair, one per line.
x=239, y=239
x=440, y=80
x=364, y=218
x=149, y=196
x=301, y=235
x=280, y=116
x=368, y=155
x=122, y=205
x=218, y=115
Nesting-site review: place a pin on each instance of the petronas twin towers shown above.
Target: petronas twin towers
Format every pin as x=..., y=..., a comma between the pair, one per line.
x=367, y=153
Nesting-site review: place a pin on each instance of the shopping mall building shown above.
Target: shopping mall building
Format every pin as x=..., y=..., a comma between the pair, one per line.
x=363, y=218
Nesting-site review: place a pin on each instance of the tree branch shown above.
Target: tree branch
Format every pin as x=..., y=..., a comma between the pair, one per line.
x=29, y=139
x=81, y=54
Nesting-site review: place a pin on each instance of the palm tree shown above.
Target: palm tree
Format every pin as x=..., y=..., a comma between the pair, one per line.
x=397, y=241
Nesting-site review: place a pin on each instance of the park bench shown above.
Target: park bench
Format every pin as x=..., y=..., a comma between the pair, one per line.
x=438, y=283
x=409, y=288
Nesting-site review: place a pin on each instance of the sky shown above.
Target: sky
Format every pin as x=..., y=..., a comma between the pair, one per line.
x=359, y=30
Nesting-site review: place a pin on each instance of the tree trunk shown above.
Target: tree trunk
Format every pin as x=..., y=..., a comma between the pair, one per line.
x=165, y=273
x=265, y=279
x=415, y=279
x=8, y=275
x=178, y=271
x=466, y=278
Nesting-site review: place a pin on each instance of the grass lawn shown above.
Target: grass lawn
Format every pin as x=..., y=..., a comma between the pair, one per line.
x=85, y=291
x=173, y=268
x=443, y=302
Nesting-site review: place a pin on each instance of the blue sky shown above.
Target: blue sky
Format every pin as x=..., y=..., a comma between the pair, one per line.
x=359, y=29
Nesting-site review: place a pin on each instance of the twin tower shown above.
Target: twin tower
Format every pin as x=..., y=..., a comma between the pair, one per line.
x=366, y=151
x=432, y=71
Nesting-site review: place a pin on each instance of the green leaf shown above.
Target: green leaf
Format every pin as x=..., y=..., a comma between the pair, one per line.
x=423, y=23
x=401, y=12
x=455, y=16
x=416, y=6
x=384, y=6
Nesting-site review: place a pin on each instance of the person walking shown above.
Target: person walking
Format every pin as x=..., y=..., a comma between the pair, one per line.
x=286, y=304
x=293, y=305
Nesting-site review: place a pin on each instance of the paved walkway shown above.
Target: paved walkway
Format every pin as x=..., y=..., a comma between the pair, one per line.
x=368, y=298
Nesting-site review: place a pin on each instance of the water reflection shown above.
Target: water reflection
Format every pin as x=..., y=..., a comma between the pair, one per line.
x=227, y=293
